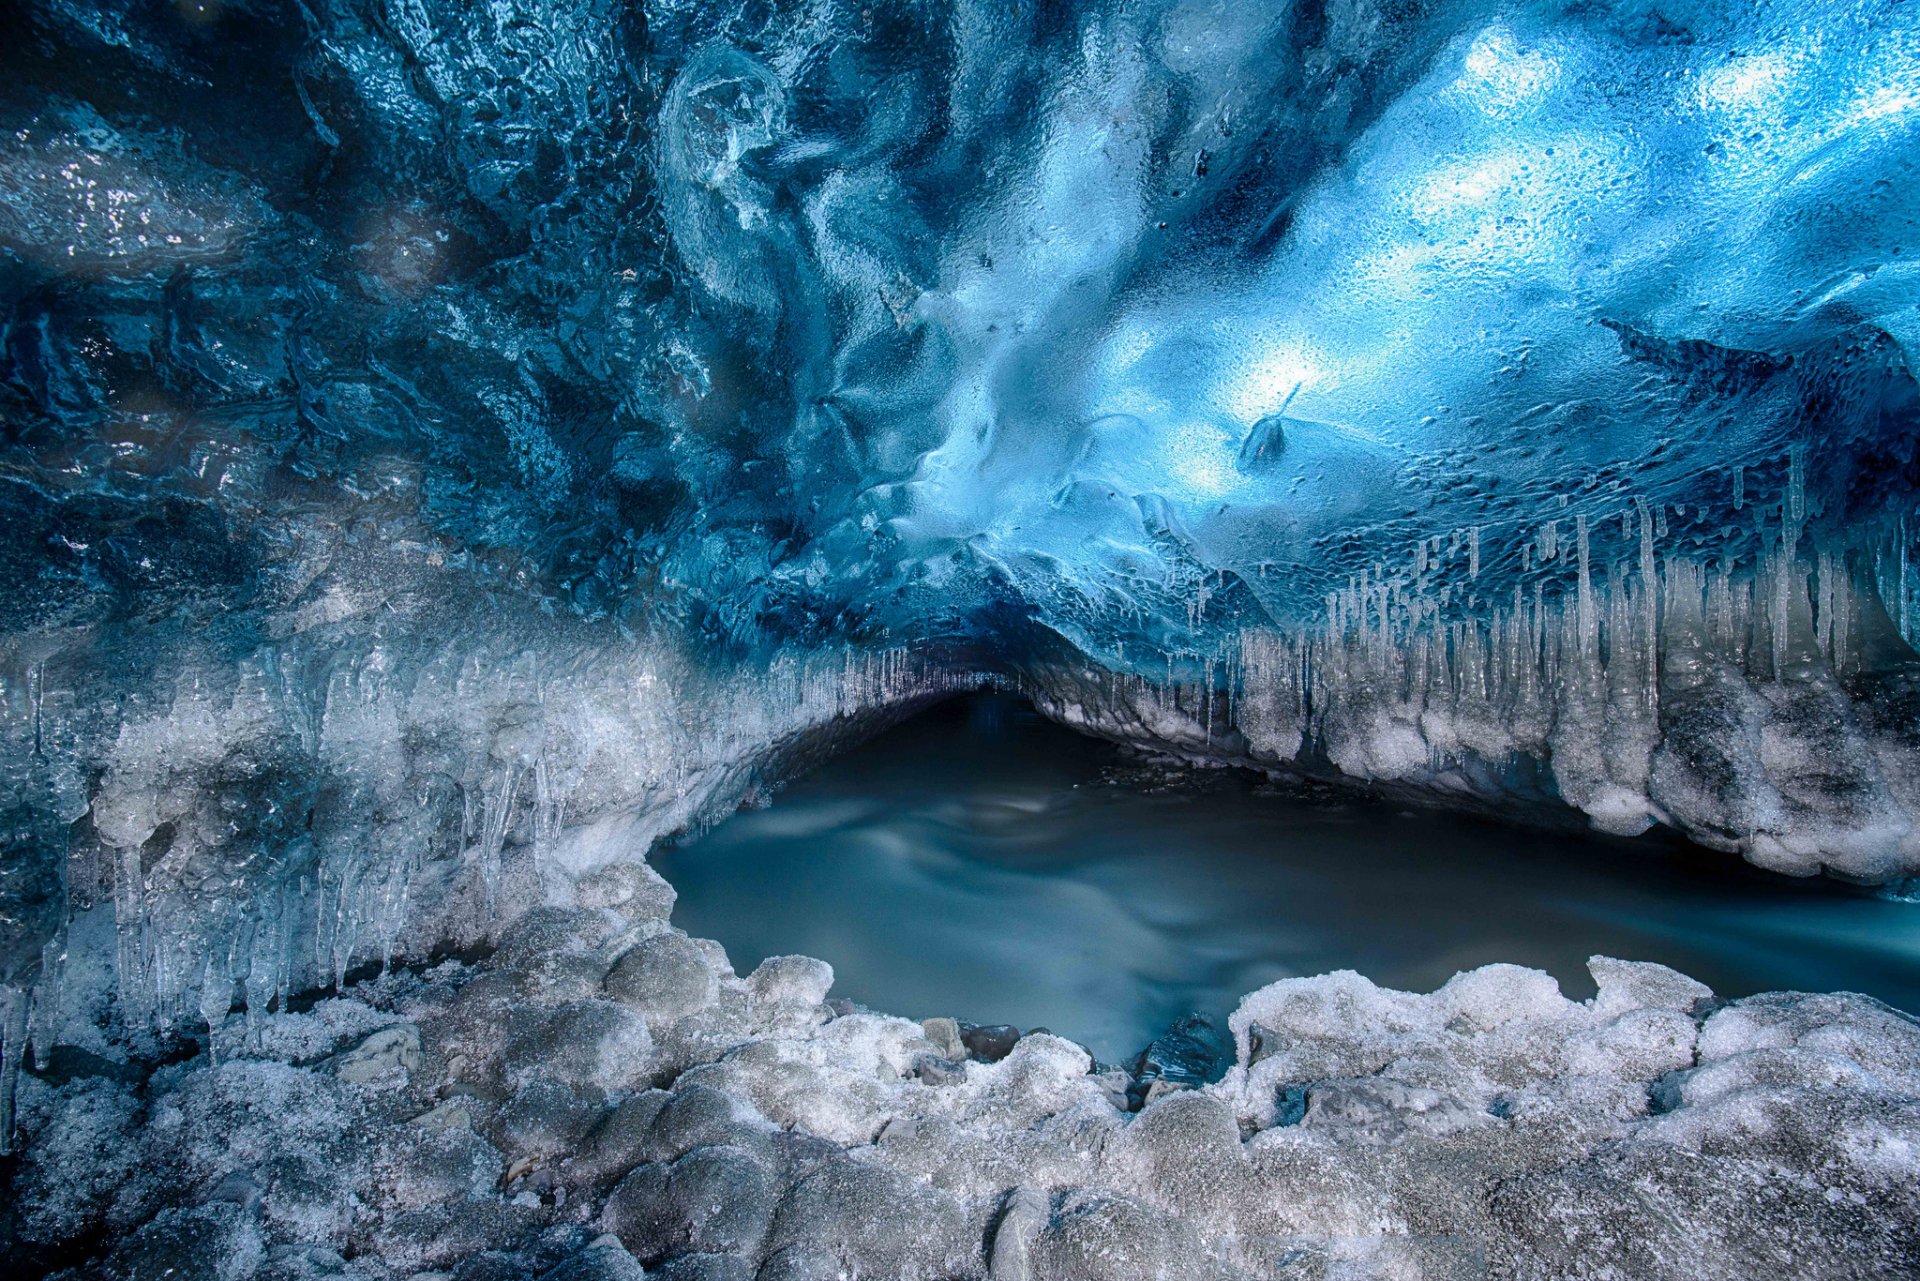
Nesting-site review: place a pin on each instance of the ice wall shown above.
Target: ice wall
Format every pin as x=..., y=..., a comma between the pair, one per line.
x=434, y=429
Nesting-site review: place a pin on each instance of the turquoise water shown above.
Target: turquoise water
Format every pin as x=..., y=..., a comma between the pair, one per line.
x=984, y=863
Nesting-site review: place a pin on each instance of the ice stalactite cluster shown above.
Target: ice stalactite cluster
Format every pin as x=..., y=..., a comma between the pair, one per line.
x=259, y=829
x=1767, y=706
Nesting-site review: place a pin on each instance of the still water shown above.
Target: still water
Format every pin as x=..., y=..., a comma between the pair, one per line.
x=984, y=863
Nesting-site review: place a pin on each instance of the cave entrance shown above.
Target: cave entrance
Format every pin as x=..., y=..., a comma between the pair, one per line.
x=982, y=862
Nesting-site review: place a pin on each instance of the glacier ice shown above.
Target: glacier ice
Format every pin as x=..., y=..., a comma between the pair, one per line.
x=448, y=448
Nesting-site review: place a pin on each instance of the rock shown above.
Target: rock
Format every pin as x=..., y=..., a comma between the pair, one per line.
x=216, y=1242
x=545, y=1117
x=945, y=1034
x=1103, y=1236
x=713, y=1199
x=932, y=1069
x=1159, y=1088
x=542, y=933
x=585, y=1043
x=880, y=1222
x=617, y=1143
x=1115, y=1082
x=1378, y=1110
x=1642, y=985
x=989, y=1043
x=430, y=1165
x=1192, y=1051
x=791, y=982
x=448, y=1117
x=698, y=1115
x=1022, y=1216
x=603, y=1259
x=801, y=1263
x=666, y=976
x=706, y=1267
x=1495, y=995
x=634, y=890
x=391, y=1053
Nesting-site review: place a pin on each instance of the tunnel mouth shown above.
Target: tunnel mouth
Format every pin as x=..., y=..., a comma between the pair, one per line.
x=982, y=862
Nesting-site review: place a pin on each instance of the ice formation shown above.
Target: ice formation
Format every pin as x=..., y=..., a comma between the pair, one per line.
x=447, y=447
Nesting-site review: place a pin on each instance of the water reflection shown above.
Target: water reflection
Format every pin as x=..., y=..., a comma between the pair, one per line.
x=984, y=863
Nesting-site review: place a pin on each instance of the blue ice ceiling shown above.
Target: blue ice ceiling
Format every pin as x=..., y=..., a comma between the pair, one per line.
x=1143, y=321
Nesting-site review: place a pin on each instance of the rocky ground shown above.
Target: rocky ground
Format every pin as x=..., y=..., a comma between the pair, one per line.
x=604, y=1098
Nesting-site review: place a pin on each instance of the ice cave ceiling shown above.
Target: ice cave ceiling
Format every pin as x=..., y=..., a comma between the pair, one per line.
x=432, y=428
x=820, y=319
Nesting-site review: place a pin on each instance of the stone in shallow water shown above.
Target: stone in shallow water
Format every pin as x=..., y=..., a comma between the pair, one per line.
x=1191, y=1052
x=945, y=1035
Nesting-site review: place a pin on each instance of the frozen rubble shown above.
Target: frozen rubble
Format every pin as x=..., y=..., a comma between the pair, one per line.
x=605, y=1098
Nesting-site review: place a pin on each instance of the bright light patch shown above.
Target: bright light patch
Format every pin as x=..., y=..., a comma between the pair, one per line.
x=1200, y=457
x=1501, y=76
x=1887, y=100
x=1744, y=83
x=1267, y=383
x=1473, y=185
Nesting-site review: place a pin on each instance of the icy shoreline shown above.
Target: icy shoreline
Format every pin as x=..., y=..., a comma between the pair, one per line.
x=603, y=1093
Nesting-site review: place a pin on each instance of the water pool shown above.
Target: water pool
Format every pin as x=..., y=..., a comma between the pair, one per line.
x=984, y=863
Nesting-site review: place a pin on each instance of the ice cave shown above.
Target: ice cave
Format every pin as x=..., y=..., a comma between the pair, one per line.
x=1276, y=639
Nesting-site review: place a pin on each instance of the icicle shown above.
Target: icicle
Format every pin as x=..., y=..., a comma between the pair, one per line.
x=216, y=998
x=13, y=1035
x=43, y=1014
x=1473, y=552
x=1650, y=605
x=1587, y=619
x=1796, y=491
